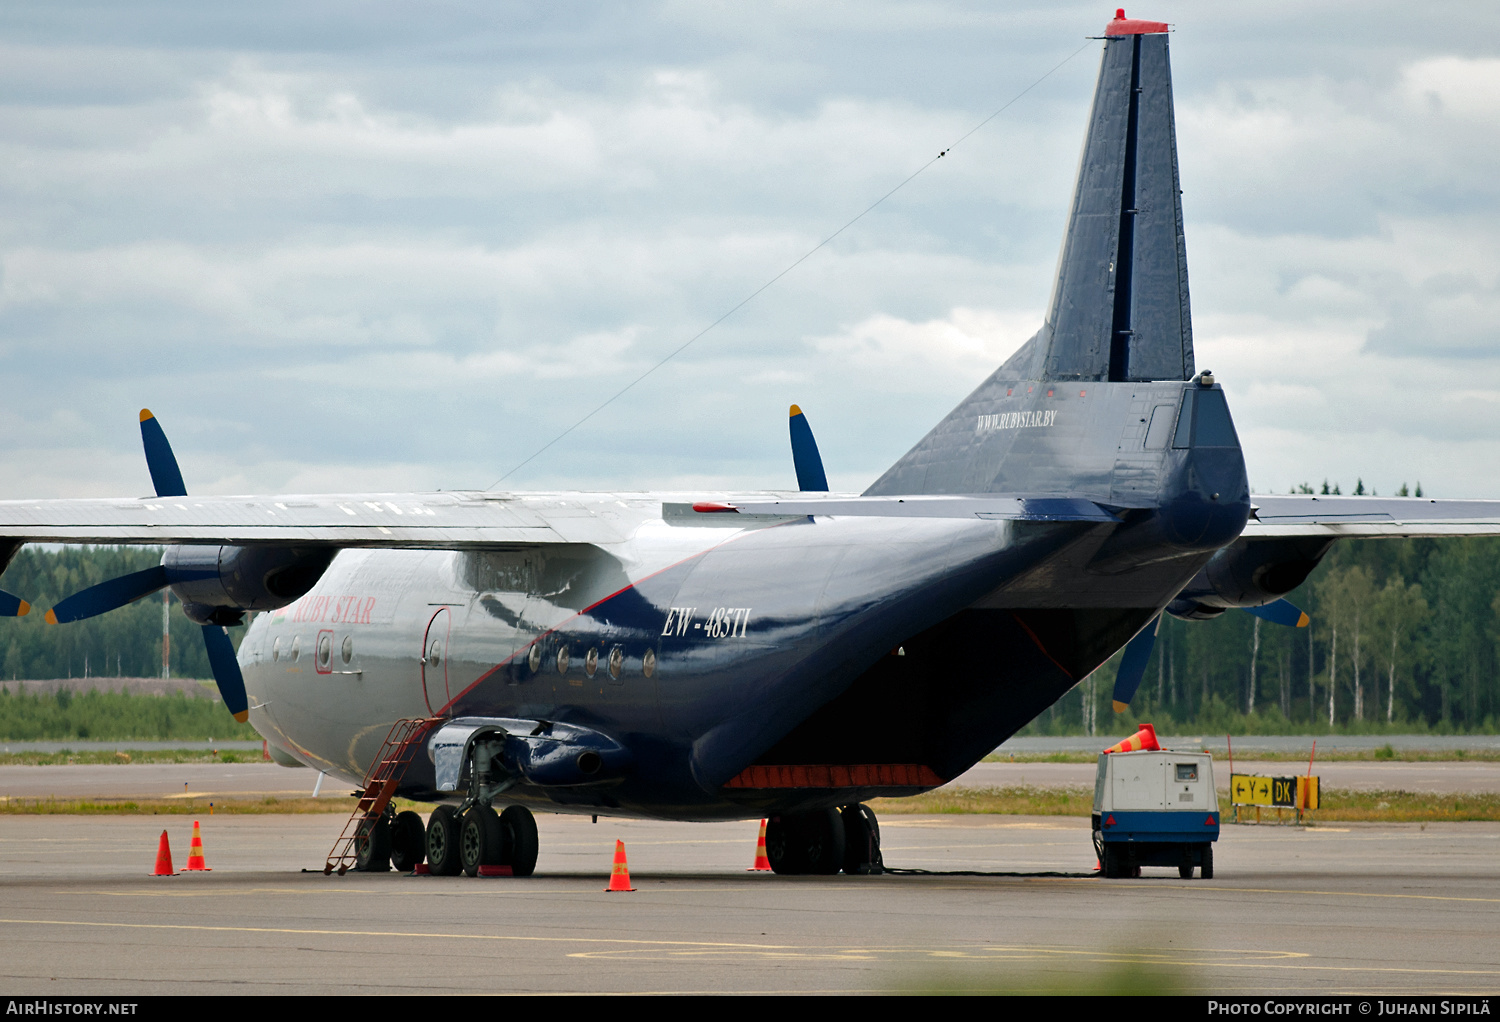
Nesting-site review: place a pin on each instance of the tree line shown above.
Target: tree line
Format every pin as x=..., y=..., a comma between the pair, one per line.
x=122, y=643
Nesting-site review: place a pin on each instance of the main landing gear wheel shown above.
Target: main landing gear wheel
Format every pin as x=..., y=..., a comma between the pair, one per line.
x=519, y=827
x=861, y=840
x=408, y=841
x=442, y=842
x=481, y=840
x=806, y=842
x=372, y=847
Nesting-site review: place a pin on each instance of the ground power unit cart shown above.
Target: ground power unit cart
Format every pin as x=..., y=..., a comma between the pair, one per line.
x=1154, y=808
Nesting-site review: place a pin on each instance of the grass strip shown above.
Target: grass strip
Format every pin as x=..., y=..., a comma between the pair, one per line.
x=1384, y=754
x=1339, y=805
x=101, y=757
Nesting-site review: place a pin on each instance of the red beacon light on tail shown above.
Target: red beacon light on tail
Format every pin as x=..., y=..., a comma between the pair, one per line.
x=1144, y=739
x=1132, y=26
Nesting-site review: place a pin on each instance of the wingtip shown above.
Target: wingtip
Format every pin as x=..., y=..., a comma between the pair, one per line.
x=794, y=412
x=146, y=414
x=51, y=617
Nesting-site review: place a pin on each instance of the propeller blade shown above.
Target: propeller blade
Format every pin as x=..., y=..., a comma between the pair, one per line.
x=1280, y=612
x=165, y=475
x=108, y=595
x=227, y=671
x=13, y=606
x=1133, y=664
x=805, y=456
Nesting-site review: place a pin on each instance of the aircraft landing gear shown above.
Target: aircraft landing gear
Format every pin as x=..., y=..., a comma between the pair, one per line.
x=408, y=841
x=825, y=841
x=466, y=838
x=372, y=846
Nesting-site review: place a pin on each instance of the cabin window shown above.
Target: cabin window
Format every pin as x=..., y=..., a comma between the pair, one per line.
x=616, y=661
x=534, y=660
x=562, y=659
x=348, y=650
x=435, y=655
x=591, y=661
x=276, y=649
x=296, y=651
x=648, y=663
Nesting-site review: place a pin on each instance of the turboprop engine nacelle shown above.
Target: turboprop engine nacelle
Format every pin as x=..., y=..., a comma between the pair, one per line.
x=217, y=584
x=1249, y=573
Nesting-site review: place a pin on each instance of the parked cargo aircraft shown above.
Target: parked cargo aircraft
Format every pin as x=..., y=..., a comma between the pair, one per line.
x=695, y=656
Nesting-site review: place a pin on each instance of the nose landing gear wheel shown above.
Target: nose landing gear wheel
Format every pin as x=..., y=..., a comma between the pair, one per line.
x=442, y=842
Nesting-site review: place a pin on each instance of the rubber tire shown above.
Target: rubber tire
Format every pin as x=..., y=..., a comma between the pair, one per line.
x=1206, y=869
x=779, y=847
x=861, y=840
x=442, y=842
x=481, y=842
x=372, y=847
x=803, y=843
x=408, y=842
x=1114, y=868
x=520, y=831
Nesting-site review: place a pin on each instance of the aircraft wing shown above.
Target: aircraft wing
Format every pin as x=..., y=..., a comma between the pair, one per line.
x=427, y=520
x=457, y=519
x=1275, y=517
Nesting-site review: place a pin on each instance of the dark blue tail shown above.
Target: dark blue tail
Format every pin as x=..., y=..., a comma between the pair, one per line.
x=1070, y=411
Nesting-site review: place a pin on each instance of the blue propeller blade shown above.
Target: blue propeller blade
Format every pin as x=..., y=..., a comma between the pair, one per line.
x=108, y=595
x=227, y=671
x=165, y=475
x=805, y=456
x=13, y=606
x=1133, y=664
x=1280, y=612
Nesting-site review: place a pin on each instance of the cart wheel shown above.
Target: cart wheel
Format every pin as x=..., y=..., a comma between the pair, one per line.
x=1207, y=871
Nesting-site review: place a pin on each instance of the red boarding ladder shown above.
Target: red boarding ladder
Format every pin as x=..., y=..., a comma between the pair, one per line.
x=401, y=743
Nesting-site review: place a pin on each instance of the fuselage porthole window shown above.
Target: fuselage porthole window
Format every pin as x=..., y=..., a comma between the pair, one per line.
x=347, y=652
x=534, y=660
x=325, y=650
x=648, y=663
x=296, y=650
x=616, y=661
x=562, y=659
x=276, y=649
x=591, y=661
x=435, y=655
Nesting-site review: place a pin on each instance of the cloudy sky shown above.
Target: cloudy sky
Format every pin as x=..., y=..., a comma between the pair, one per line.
x=402, y=246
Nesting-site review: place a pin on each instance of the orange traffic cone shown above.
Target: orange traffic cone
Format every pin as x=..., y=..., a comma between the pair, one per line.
x=195, y=852
x=619, y=880
x=762, y=863
x=164, y=858
x=1145, y=738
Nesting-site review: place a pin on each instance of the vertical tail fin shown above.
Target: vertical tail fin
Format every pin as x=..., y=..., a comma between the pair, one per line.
x=1049, y=420
x=1119, y=308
